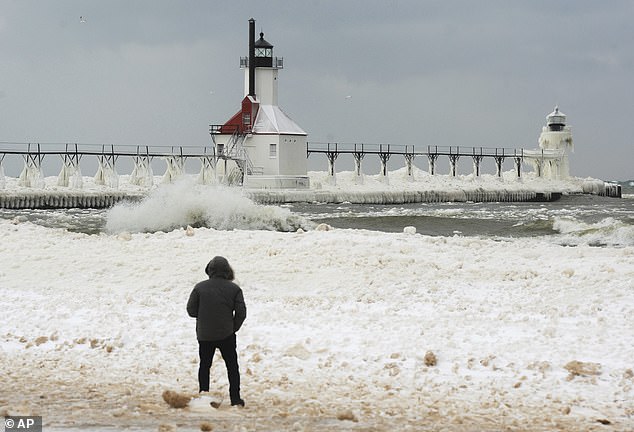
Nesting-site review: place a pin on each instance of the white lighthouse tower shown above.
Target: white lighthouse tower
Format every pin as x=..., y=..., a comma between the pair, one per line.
x=260, y=146
x=555, y=141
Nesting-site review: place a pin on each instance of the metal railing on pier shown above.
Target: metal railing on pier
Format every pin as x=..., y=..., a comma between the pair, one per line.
x=103, y=149
x=385, y=151
x=400, y=149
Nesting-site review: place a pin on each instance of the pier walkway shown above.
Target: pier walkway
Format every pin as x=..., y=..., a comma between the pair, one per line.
x=108, y=154
x=409, y=152
x=69, y=193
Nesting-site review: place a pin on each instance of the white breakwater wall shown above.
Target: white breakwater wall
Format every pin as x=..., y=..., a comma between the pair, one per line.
x=71, y=199
x=398, y=197
x=43, y=199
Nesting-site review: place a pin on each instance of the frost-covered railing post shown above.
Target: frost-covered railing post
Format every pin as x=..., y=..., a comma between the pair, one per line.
x=71, y=171
x=518, y=165
x=175, y=166
x=477, y=160
x=332, y=157
x=32, y=174
x=499, y=161
x=207, y=174
x=539, y=165
x=432, y=157
x=409, y=162
x=358, y=156
x=384, y=156
x=142, y=174
x=554, y=168
x=3, y=181
x=107, y=172
x=453, y=160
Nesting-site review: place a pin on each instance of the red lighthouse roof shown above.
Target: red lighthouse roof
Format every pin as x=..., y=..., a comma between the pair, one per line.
x=243, y=120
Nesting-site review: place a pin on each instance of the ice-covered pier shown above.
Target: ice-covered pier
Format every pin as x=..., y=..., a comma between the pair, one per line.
x=72, y=190
x=43, y=199
x=107, y=156
x=401, y=197
x=409, y=152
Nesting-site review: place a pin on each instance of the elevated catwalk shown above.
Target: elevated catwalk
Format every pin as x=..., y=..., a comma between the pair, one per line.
x=69, y=191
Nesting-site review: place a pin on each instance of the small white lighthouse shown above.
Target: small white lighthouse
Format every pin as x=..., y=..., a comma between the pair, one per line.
x=260, y=146
x=555, y=141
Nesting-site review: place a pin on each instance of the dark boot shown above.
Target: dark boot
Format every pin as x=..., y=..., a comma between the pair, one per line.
x=238, y=402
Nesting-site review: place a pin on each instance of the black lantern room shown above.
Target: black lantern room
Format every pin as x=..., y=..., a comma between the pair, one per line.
x=556, y=120
x=263, y=53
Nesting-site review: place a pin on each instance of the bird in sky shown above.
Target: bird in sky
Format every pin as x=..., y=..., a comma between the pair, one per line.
x=82, y=19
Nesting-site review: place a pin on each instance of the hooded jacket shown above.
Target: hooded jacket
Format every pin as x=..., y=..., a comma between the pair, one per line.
x=217, y=303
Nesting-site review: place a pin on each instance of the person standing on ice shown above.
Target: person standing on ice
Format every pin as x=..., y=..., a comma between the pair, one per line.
x=218, y=306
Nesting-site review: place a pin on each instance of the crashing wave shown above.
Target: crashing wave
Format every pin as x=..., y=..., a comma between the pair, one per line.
x=184, y=203
x=607, y=232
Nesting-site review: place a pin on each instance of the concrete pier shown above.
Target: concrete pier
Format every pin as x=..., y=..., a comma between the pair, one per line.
x=403, y=197
x=42, y=199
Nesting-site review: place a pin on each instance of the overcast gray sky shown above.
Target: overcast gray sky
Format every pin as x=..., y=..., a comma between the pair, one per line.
x=464, y=72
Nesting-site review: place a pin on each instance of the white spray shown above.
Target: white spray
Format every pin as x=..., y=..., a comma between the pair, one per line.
x=186, y=203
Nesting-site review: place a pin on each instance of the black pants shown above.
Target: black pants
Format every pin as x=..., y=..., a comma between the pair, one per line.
x=227, y=347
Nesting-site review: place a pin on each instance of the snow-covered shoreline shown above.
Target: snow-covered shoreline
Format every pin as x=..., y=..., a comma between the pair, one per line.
x=396, y=188
x=94, y=330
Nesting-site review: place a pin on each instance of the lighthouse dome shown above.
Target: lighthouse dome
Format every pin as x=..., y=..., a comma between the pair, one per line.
x=261, y=43
x=556, y=120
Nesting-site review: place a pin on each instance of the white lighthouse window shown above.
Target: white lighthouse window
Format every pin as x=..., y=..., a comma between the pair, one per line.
x=260, y=52
x=272, y=150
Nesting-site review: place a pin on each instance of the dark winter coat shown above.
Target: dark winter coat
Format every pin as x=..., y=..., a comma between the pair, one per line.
x=217, y=303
